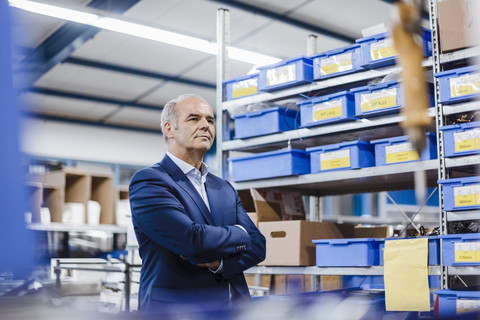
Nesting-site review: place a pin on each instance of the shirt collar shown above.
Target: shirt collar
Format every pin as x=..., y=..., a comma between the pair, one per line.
x=186, y=167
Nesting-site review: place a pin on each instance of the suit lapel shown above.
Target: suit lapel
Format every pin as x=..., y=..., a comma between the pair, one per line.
x=214, y=201
x=182, y=180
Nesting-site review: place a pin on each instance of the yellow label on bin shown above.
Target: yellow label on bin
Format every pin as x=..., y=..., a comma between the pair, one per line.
x=327, y=110
x=336, y=63
x=467, y=305
x=379, y=100
x=465, y=85
x=282, y=74
x=467, y=251
x=244, y=92
x=335, y=159
x=382, y=49
x=400, y=153
x=467, y=140
x=467, y=195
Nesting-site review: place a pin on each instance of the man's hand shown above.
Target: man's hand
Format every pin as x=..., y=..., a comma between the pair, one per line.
x=211, y=265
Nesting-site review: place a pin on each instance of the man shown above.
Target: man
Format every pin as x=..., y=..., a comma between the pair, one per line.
x=195, y=239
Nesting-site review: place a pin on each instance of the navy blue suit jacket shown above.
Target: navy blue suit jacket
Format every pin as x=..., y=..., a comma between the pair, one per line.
x=175, y=230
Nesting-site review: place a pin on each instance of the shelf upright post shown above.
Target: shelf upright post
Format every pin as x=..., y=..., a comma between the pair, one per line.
x=439, y=121
x=222, y=127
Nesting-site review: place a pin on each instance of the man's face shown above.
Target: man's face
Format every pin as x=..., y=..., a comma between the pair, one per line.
x=195, y=126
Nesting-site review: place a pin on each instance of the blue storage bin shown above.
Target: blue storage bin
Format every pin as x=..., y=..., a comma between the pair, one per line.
x=270, y=164
x=433, y=250
x=241, y=87
x=459, y=84
x=399, y=150
x=461, y=139
x=355, y=252
x=340, y=156
x=461, y=193
x=337, y=62
x=462, y=249
x=378, y=51
x=267, y=121
x=378, y=99
x=454, y=302
x=286, y=73
x=334, y=107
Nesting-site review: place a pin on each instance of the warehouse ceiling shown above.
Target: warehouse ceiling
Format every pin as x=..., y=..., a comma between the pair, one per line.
x=67, y=71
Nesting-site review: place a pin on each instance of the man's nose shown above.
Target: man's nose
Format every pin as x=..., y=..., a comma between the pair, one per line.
x=204, y=123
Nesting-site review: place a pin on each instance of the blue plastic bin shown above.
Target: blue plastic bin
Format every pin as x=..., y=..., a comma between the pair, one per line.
x=270, y=164
x=286, y=73
x=459, y=84
x=400, y=150
x=462, y=249
x=461, y=193
x=433, y=250
x=337, y=62
x=377, y=99
x=241, y=87
x=461, y=139
x=340, y=156
x=355, y=252
x=336, y=107
x=454, y=302
x=377, y=50
x=267, y=121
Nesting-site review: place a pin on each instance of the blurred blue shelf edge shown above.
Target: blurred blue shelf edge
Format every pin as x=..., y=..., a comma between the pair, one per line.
x=15, y=243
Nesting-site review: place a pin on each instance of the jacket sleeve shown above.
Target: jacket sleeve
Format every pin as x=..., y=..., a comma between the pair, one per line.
x=255, y=254
x=159, y=214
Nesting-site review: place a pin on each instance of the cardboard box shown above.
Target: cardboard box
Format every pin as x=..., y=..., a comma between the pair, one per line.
x=289, y=243
x=272, y=205
x=459, y=24
x=372, y=232
x=103, y=191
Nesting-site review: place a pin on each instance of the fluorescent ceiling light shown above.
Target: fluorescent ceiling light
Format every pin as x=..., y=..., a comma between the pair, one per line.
x=139, y=30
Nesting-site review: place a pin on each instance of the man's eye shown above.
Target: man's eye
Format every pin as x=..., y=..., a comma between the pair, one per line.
x=192, y=119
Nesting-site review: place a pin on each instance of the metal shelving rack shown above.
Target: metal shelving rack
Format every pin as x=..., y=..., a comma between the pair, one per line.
x=364, y=179
x=445, y=165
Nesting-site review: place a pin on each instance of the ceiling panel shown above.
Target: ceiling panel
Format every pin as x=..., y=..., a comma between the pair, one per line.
x=96, y=82
x=172, y=90
x=63, y=106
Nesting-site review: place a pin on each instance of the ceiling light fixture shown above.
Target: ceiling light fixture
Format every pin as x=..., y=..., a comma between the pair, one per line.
x=138, y=30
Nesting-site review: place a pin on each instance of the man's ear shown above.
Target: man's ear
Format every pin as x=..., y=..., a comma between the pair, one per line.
x=168, y=130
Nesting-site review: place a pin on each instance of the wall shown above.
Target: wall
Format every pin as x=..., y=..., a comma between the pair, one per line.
x=61, y=140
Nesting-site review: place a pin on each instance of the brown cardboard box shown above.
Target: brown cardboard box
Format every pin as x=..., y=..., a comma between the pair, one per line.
x=272, y=205
x=459, y=25
x=103, y=191
x=289, y=243
x=372, y=232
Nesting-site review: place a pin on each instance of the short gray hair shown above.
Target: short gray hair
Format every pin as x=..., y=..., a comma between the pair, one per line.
x=169, y=113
